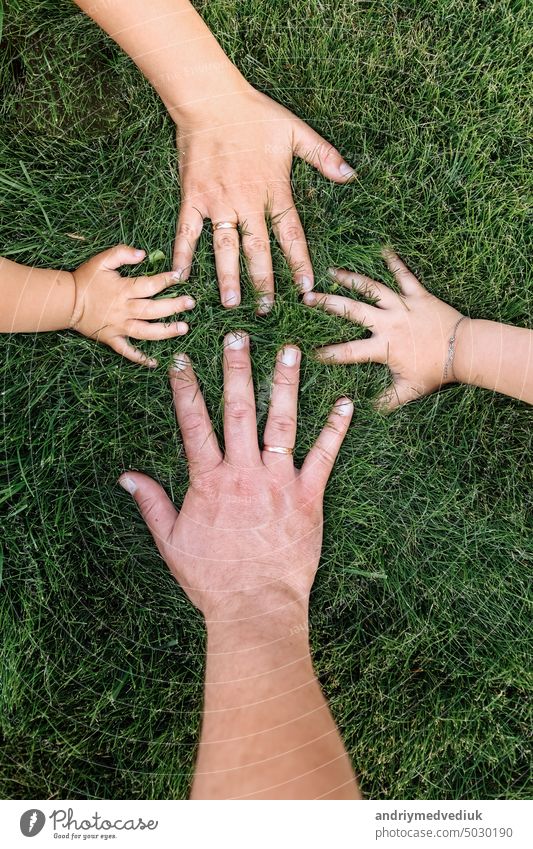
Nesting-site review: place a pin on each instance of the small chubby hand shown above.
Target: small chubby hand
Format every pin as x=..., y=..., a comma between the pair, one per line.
x=112, y=309
x=247, y=539
x=411, y=331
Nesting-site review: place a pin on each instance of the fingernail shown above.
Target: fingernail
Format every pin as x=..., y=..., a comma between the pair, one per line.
x=265, y=304
x=231, y=298
x=288, y=356
x=128, y=484
x=332, y=273
x=346, y=170
x=344, y=407
x=306, y=284
x=310, y=299
x=235, y=341
x=180, y=361
x=177, y=274
x=182, y=327
x=190, y=304
x=139, y=254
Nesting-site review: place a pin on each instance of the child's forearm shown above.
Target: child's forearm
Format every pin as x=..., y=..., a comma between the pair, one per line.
x=34, y=299
x=495, y=356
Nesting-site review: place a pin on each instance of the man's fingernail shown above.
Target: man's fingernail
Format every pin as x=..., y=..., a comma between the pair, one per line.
x=306, y=284
x=235, y=341
x=288, y=356
x=128, y=484
x=231, y=298
x=344, y=407
x=180, y=361
x=177, y=274
x=265, y=304
x=310, y=299
x=346, y=170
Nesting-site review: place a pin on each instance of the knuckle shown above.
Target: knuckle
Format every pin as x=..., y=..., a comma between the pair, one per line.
x=185, y=229
x=225, y=242
x=192, y=423
x=324, y=456
x=238, y=410
x=283, y=422
x=292, y=232
x=257, y=245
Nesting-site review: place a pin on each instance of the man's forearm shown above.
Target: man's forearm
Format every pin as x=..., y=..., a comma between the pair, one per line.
x=496, y=356
x=173, y=47
x=267, y=731
x=34, y=299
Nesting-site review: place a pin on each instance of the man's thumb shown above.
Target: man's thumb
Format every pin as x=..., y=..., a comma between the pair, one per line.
x=155, y=506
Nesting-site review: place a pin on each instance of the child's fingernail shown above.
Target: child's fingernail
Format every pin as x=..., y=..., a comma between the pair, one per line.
x=231, y=298
x=128, y=484
x=332, y=273
x=310, y=299
x=235, y=341
x=190, y=304
x=288, y=356
x=346, y=170
x=344, y=407
x=265, y=304
x=182, y=327
x=180, y=361
x=139, y=254
x=306, y=284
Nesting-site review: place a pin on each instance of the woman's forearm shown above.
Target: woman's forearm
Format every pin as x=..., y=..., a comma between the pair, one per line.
x=173, y=47
x=267, y=731
x=34, y=299
x=495, y=356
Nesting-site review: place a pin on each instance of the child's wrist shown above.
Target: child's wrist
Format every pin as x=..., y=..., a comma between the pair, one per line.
x=464, y=351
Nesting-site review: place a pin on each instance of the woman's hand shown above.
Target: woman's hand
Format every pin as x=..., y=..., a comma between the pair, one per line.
x=235, y=158
x=248, y=536
x=110, y=308
x=411, y=331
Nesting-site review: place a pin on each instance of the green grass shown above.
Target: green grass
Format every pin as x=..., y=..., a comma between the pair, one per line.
x=419, y=612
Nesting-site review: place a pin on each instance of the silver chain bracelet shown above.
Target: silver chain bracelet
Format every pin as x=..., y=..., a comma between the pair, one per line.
x=448, y=365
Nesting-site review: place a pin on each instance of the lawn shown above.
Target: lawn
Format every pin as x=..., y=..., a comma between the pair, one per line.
x=420, y=622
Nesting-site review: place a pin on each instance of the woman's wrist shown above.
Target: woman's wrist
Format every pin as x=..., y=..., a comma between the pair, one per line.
x=211, y=99
x=463, y=366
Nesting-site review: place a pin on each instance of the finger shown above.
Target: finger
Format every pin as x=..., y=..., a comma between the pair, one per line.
x=199, y=440
x=406, y=279
x=147, y=309
x=364, y=285
x=189, y=228
x=358, y=351
x=256, y=248
x=226, y=247
x=147, y=287
x=121, y=345
x=158, y=330
x=396, y=395
x=280, y=430
x=290, y=234
x=155, y=506
x=240, y=423
x=321, y=154
x=321, y=458
x=355, y=311
x=113, y=258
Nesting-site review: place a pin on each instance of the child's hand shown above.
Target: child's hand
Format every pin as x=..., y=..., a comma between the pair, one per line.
x=410, y=332
x=110, y=308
